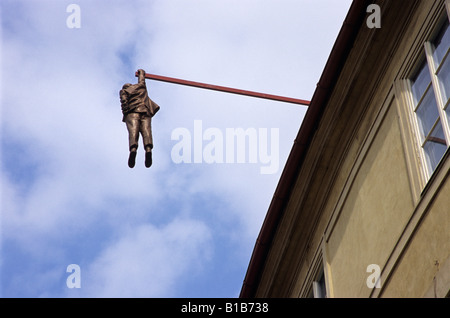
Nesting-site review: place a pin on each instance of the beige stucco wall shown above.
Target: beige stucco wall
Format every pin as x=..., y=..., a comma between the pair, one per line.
x=426, y=254
x=376, y=210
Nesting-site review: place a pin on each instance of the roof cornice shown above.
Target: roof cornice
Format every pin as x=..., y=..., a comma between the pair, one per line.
x=336, y=60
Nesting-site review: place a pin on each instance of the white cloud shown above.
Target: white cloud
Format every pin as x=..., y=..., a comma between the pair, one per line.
x=150, y=261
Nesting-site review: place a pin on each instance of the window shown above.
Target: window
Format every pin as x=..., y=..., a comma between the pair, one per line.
x=430, y=90
x=317, y=282
x=319, y=289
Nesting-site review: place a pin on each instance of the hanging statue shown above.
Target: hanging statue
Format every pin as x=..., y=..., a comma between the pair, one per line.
x=138, y=110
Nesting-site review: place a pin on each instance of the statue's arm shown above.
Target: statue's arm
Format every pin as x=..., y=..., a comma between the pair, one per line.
x=123, y=100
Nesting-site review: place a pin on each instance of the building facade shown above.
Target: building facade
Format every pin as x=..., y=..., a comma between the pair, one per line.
x=362, y=208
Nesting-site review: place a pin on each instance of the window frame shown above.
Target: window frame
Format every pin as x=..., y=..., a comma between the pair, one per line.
x=425, y=56
x=319, y=285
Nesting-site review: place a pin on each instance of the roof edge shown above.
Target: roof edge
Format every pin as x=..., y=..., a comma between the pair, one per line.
x=325, y=86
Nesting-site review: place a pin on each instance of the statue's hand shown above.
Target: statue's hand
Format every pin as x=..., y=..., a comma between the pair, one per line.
x=141, y=71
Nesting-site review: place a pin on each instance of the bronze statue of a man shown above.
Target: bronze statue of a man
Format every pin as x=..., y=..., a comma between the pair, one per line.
x=138, y=110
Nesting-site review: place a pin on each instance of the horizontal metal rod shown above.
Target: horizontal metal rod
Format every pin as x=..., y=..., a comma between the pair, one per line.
x=226, y=89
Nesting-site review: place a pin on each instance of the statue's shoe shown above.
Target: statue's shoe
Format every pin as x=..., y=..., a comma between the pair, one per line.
x=132, y=159
x=148, y=159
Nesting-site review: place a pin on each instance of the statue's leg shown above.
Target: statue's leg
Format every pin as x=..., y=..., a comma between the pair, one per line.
x=146, y=131
x=132, y=121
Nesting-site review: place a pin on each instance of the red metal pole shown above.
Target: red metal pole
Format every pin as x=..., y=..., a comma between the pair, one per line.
x=226, y=89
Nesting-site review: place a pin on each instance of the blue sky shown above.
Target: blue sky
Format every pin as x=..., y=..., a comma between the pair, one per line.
x=67, y=194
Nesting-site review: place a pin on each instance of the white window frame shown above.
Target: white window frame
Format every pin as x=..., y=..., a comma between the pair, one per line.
x=427, y=50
